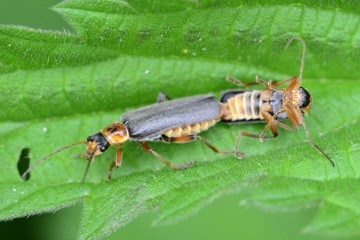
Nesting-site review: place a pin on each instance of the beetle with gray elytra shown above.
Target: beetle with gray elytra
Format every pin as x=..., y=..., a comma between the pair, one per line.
x=177, y=121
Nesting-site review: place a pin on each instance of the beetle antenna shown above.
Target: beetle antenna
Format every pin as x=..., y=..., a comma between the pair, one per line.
x=316, y=146
x=49, y=156
x=303, y=54
x=86, y=170
x=88, y=166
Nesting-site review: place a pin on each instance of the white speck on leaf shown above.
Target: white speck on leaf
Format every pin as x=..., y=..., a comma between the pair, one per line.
x=243, y=202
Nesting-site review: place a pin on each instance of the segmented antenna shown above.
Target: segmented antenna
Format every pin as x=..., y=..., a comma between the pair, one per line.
x=91, y=160
x=303, y=54
x=87, y=170
x=49, y=156
x=316, y=146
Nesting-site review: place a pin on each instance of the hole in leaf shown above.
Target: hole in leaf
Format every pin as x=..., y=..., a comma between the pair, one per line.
x=24, y=162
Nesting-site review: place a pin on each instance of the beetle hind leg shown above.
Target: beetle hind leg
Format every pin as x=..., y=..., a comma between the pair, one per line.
x=212, y=147
x=186, y=139
x=147, y=148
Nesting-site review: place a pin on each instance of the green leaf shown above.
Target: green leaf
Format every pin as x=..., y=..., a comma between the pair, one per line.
x=58, y=88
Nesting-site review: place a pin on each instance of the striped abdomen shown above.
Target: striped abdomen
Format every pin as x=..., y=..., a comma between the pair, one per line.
x=241, y=106
x=188, y=130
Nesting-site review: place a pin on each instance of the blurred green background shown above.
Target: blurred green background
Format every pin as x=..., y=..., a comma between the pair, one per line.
x=226, y=218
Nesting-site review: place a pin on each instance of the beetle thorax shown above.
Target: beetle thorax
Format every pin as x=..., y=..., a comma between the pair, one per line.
x=116, y=134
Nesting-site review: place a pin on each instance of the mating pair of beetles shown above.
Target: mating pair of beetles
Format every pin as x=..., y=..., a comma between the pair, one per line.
x=181, y=120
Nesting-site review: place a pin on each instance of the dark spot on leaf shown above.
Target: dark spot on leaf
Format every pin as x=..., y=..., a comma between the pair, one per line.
x=24, y=163
x=193, y=36
x=144, y=35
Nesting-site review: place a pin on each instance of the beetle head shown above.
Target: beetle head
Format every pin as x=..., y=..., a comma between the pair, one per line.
x=114, y=135
x=96, y=145
x=305, y=100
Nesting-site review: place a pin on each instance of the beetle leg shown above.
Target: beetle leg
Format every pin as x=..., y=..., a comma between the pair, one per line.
x=278, y=84
x=273, y=84
x=186, y=139
x=112, y=165
x=286, y=127
x=162, y=97
x=258, y=81
x=269, y=84
x=246, y=134
x=161, y=158
x=119, y=155
x=183, y=139
x=116, y=163
x=272, y=124
x=239, y=83
x=212, y=147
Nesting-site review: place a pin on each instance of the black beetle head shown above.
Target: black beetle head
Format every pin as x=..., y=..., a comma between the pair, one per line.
x=305, y=100
x=96, y=145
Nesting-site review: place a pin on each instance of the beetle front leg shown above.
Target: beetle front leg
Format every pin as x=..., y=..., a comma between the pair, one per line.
x=112, y=165
x=272, y=124
x=116, y=163
x=147, y=148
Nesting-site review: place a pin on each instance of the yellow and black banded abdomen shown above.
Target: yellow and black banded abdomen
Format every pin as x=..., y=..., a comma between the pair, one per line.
x=191, y=129
x=241, y=106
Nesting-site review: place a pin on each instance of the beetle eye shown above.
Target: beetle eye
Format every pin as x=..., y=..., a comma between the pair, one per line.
x=90, y=139
x=305, y=98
